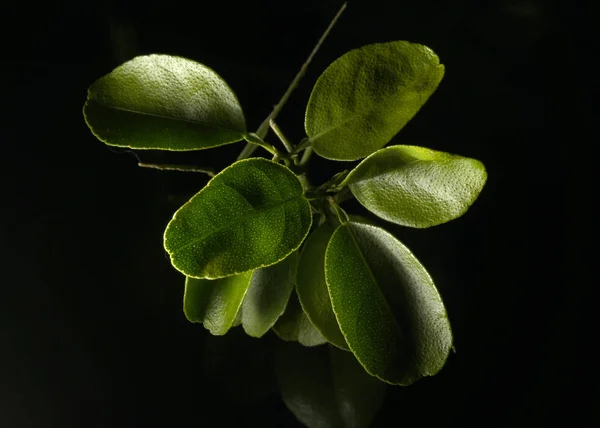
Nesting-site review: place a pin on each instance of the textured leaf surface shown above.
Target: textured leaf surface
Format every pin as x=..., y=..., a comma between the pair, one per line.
x=164, y=102
x=251, y=215
x=416, y=186
x=366, y=96
x=294, y=325
x=268, y=295
x=312, y=288
x=215, y=303
x=386, y=304
x=326, y=387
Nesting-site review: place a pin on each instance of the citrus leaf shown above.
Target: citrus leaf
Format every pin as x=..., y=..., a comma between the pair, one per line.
x=251, y=215
x=267, y=296
x=366, y=96
x=386, y=304
x=164, y=102
x=312, y=288
x=215, y=303
x=326, y=387
x=415, y=186
x=295, y=326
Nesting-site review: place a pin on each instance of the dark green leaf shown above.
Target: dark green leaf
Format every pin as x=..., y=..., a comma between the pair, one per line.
x=386, y=304
x=268, y=295
x=215, y=303
x=252, y=214
x=366, y=96
x=325, y=387
x=416, y=186
x=312, y=288
x=295, y=326
x=164, y=102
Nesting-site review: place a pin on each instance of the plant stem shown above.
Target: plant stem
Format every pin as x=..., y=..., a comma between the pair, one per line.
x=305, y=156
x=264, y=127
x=288, y=146
x=182, y=168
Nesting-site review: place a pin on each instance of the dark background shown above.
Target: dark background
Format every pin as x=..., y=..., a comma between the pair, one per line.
x=91, y=327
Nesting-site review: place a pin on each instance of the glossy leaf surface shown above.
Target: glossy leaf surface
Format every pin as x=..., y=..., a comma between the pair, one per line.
x=251, y=215
x=325, y=387
x=415, y=186
x=267, y=296
x=164, y=102
x=312, y=288
x=215, y=303
x=386, y=304
x=366, y=96
x=294, y=325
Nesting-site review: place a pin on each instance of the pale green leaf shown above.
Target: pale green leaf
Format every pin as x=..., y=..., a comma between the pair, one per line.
x=416, y=186
x=164, y=102
x=312, y=288
x=251, y=215
x=386, y=304
x=268, y=295
x=366, y=96
x=215, y=303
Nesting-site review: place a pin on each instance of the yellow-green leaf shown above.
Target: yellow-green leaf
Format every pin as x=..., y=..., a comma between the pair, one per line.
x=164, y=102
x=415, y=186
x=386, y=304
x=366, y=96
x=294, y=325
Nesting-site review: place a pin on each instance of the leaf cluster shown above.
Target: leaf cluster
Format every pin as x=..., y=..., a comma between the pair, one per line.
x=262, y=247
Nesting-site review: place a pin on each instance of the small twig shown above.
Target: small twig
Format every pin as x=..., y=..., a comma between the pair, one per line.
x=288, y=146
x=182, y=168
x=264, y=127
x=305, y=156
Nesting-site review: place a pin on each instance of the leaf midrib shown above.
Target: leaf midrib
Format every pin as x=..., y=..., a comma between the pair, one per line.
x=378, y=287
x=174, y=118
x=255, y=212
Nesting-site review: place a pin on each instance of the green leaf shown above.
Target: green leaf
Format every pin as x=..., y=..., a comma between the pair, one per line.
x=215, y=303
x=386, y=304
x=366, y=96
x=312, y=288
x=268, y=295
x=164, y=102
x=295, y=326
x=326, y=387
x=251, y=215
x=416, y=186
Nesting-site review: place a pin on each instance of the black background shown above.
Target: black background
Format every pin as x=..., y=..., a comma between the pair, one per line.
x=92, y=331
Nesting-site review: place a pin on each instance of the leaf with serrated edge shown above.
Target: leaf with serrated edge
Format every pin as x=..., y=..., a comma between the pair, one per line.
x=366, y=96
x=164, y=102
x=386, y=304
x=251, y=215
x=416, y=186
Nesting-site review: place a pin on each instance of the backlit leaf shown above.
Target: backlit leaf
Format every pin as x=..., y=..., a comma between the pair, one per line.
x=251, y=215
x=164, y=102
x=386, y=304
x=416, y=186
x=366, y=96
